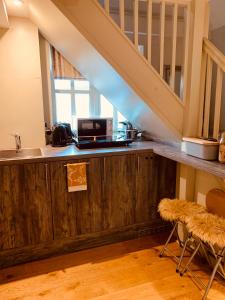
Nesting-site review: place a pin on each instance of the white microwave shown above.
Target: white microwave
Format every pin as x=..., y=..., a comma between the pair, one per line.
x=91, y=128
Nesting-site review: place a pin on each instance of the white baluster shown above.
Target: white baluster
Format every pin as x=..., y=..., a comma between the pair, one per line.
x=202, y=92
x=219, y=84
x=122, y=14
x=106, y=6
x=186, y=49
x=174, y=47
x=149, y=31
x=207, y=96
x=136, y=23
x=162, y=35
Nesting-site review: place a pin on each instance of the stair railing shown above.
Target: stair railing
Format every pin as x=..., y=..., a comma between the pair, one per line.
x=162, y=6
x=213, y=61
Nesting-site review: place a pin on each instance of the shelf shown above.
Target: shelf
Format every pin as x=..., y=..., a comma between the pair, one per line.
x=212, y=167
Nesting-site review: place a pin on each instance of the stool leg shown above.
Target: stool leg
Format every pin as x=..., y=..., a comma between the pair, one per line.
x=190, y=260
x=182, y=253
x=213, y=275
x=168, y=240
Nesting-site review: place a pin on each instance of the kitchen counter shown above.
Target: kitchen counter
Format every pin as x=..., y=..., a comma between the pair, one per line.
x=72, y=152
x=124, y=187
x=174, y=153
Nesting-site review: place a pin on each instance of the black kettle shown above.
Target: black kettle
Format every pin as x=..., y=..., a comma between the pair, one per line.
x=61, y=135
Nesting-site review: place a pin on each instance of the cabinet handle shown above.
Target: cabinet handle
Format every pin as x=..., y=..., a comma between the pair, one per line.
x=46, y=176
x=138, y=164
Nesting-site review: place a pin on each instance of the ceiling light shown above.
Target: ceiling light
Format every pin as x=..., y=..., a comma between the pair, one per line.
x=18, y=2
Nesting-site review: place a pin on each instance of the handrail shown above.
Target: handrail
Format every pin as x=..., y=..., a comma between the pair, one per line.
x=216, y=55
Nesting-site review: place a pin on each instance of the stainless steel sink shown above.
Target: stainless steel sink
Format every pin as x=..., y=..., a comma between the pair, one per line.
x=23, y=153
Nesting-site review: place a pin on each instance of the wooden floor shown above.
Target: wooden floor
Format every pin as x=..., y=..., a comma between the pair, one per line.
x=130, y=270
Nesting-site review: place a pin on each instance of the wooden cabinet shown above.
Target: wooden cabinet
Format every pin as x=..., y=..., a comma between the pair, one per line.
x=122, y=190
x=80, y=212
x=25, y=205
x=145, y=188
x=119, y=190
x=39, y=217
x=164, y=175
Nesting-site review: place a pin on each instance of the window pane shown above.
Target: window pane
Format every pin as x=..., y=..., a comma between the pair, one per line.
x=106, y=108
x=120, y=117
x=82, y=105
x=62, y=84
x=81, y=85
x=63, y=107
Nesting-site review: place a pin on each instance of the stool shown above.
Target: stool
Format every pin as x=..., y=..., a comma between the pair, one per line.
x=178, y=211
x=208, y=229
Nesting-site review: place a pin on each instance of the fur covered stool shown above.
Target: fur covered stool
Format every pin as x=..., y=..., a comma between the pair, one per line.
x=209, y=230
x=178, y=211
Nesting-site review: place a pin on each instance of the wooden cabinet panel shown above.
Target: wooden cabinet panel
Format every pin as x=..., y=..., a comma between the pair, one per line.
x=119, y=191
x=164, y=174
x=144, y=188
x=25, y=205
x=77, y=212
x=38, y=206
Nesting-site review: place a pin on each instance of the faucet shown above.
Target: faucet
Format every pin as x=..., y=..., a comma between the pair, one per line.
x=18, y=142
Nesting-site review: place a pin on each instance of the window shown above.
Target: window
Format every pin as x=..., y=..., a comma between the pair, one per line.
x=78, y=99
x=106, y=108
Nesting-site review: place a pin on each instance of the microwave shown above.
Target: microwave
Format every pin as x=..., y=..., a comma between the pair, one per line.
x=94, y=128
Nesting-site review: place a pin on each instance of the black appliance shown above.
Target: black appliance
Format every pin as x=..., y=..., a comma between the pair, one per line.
x=129, y=130
x=62, y=135
x=90, y=128
x=102, y=142
x=97, y=133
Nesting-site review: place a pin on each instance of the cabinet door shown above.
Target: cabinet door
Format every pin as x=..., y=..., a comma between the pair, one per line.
x=164, y=174
x=144, y=188
x=119, y=190
x=79, y=212
x=25, y=205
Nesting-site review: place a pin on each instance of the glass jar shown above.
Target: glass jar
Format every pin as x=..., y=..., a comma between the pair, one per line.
x=222, y=148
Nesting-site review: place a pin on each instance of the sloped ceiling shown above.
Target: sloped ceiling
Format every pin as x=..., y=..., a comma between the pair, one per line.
x=217, y=18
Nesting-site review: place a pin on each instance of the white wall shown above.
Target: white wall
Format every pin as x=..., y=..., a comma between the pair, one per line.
x=21, y=105
x=204, y=183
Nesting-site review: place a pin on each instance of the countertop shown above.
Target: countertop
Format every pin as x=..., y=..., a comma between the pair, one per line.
x=171, y=152
x=72, y=152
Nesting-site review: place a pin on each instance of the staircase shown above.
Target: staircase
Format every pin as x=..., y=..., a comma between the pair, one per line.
x=212, y=97
x=148, y=76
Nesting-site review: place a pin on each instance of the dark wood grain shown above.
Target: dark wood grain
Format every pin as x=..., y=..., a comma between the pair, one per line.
x=38, y=214
x=77, y=212
x=164, y=174
x=63, y=208
x=20, y=255
x=119, y=191
x=25, y=206
x=169, y=151
x=144, y=187
x=38, y=206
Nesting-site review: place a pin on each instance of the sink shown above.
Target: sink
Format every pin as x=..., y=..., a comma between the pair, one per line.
x=24, y=153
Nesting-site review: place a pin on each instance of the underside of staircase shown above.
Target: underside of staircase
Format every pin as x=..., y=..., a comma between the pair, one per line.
x=95, y=45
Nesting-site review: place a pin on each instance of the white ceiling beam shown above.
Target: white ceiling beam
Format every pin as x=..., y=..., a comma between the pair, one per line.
x=4, y=21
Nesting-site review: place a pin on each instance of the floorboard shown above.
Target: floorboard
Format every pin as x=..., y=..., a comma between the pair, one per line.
x=129, y=270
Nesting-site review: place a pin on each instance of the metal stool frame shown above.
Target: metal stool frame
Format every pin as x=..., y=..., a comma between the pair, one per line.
x=219, y=255
x=183, y=245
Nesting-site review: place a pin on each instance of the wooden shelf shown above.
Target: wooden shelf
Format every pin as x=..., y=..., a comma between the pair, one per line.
x=212, y=167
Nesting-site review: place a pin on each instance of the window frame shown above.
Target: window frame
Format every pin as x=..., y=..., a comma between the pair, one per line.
x=94, y=101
